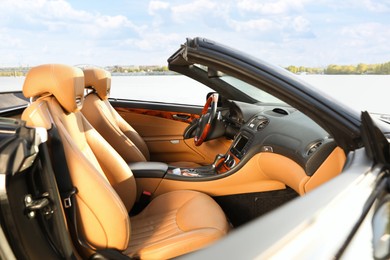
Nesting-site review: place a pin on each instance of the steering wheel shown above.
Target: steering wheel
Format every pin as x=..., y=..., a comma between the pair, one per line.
x=206, y=119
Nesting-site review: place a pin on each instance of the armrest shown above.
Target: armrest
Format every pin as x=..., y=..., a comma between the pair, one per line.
x=148, y=169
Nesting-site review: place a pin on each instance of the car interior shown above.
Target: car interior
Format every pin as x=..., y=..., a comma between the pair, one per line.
x=160, y=184
x=106, y=120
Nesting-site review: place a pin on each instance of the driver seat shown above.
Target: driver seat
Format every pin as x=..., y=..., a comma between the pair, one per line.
x=172, y=224
x=107, y=121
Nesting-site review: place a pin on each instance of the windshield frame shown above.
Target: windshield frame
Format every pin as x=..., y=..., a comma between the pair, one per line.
x=238, y=84
x=340, y=121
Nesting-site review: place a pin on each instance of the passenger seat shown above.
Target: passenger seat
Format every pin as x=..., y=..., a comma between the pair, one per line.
x=106, y=120
x=173, y=224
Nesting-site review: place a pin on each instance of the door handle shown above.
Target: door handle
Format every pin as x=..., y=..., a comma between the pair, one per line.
x=181, y=117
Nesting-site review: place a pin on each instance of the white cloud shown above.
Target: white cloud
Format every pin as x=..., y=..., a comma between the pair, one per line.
x=301, y=24
x=375, y=6
x=365, y=30
x=152, y=41
x=113, y=22
x=270, y=7
x=192, y=10
x=7, y=41
x=60, y=9
x=47, y=9
x=289, y=31
x=366, y=42
x=261, y=25
x=60, y=16
x=155, y=6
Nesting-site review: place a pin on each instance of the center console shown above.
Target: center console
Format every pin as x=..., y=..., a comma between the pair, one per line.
x=149, y=169
x=222, y=163
x=237, y=151
x=241, y=146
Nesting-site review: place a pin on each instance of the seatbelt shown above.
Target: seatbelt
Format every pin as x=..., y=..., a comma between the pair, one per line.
x=67, y=192
x=64, y=182
x=65, y=185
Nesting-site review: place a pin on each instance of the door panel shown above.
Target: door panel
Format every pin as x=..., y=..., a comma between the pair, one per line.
x=178, y=116
x=162, y=127
x=153, y=126
x=32, y=216
x=164, y=138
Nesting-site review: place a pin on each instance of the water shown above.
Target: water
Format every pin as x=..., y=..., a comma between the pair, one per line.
x=361, y=92
x=11, y=83
x=174, y=89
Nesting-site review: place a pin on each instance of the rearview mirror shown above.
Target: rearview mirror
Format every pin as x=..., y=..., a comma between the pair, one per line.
x=213, y=73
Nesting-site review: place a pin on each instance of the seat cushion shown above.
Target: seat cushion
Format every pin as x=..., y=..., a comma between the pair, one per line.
x=176, y=223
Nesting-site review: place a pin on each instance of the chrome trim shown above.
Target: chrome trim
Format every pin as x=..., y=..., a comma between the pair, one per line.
x=5, y=110
x=42, y=134
x=40, y=137
x=2, y=131
x=2, y=185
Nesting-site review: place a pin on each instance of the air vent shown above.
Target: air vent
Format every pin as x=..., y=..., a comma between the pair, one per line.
x=258, y=123
x=280, y=111
x=262, y=124
x=313, y=147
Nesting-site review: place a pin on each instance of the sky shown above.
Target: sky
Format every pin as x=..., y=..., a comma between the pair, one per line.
x=312, y=33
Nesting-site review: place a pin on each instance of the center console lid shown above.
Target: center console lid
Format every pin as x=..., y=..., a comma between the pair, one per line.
x=148, y=169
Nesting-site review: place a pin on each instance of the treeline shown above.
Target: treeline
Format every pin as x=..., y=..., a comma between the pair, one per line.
x=130, y=69
x=137, y=69
x=11, y=73
x=361, y=68
x=302, y=70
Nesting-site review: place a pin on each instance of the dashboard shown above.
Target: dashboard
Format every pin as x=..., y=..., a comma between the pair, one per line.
x=274, y=128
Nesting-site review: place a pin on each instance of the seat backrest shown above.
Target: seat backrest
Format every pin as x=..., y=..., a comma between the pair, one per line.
x=106, y=120
x=105, y=184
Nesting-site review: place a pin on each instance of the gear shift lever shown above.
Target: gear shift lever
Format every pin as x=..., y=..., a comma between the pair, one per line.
x=208, y=169
x=217, y=160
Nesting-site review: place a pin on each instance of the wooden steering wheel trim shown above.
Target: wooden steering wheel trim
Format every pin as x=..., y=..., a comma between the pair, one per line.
x=206, y=106
x=213, y=99
x=206, y=129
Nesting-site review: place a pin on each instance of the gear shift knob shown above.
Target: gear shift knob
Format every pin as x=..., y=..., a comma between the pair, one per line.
x=218, y=159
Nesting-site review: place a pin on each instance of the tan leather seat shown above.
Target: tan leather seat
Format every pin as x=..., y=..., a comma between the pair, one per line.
x=106, y=120
x=172, y=224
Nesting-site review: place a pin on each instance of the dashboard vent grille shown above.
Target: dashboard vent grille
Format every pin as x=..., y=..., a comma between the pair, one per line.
x=313, y=147
x=280, y=111
x=263, y=122
x=258, y=123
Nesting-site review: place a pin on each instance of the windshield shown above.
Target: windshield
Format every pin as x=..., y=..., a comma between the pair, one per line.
x=250, y=90
x=360, y=92
x=240, y=85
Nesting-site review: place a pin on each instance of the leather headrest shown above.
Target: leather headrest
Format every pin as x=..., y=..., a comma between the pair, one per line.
x=99, y=80
x=64, y=82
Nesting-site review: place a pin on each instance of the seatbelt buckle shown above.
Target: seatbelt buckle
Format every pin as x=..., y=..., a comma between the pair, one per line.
x=67, y=203
x=144, y=199
x=67, y=197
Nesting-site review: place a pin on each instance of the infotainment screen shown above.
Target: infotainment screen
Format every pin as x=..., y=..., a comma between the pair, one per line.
x=240, y=144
